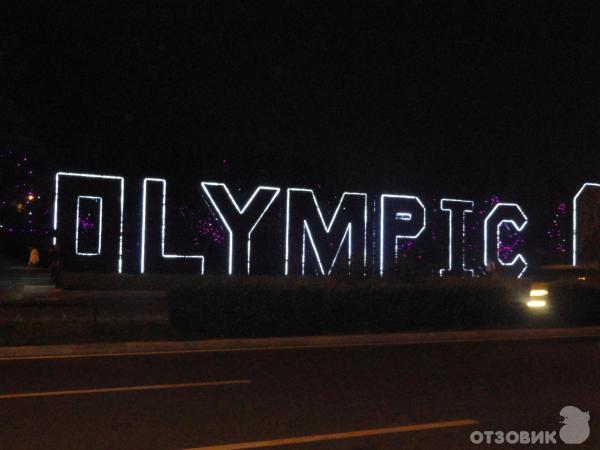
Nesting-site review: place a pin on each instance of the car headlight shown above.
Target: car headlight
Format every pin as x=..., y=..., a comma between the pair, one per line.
x=538, y=293
x=536, y=303
x=537, y=298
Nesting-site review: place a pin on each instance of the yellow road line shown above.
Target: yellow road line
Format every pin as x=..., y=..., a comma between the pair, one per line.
x=340, y=436
x=150, y=387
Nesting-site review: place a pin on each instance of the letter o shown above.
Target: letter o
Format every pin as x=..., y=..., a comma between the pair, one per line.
x=512, y=437
x=476, y=437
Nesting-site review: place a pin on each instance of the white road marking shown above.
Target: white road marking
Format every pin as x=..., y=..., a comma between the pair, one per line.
x=151, y=387
x=340, y=436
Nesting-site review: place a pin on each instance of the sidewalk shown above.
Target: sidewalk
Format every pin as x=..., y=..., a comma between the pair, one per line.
x=64, y=317
x=228, y=345
x=58, y=305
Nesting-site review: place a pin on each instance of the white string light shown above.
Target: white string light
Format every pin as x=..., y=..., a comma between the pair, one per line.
x=163, y=229
x=518, y=228
x=575, y=198
x=92, y=176
x=327, y=227
x=207, y=186
x=448, y=205
x=99, y=250
x=402, y=216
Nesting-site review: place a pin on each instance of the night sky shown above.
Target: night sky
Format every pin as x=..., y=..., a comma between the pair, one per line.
x=430, y=98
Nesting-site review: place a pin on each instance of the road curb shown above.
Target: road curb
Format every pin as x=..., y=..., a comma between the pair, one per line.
x=216, y=345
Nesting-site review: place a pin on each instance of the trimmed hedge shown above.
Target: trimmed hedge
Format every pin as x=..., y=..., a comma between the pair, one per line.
x=264, y=306
x=575, y=303
x=125, y=282
x=269, y=306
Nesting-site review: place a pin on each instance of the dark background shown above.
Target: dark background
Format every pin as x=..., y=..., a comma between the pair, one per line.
x=437, y=99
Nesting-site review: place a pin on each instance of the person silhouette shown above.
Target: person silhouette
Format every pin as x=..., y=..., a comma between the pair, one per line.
x=34, y=256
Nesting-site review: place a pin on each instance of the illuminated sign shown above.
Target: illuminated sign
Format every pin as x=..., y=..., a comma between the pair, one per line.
x=348, y=226
x=457, y=233
x=508, y=214
x=587, y=187
x=317, y=235
x=115, y=246
x=163, y=226
x=241, y=221
x=79, y=223
x=402, y=216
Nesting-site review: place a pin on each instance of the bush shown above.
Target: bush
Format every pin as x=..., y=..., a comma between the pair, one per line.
x=127, y=282
x=269, y=306
x=576, y=303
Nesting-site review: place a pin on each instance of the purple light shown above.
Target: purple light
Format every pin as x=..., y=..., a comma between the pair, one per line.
x=86, y=224
x=494, y=200
x=207, y=227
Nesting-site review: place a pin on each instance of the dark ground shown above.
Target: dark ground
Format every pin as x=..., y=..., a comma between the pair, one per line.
x=504, y=386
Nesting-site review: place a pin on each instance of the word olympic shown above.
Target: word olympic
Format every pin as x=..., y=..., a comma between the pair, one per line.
x=398, y=217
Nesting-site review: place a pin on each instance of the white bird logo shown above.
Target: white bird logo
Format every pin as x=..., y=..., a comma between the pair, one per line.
x=575, y=429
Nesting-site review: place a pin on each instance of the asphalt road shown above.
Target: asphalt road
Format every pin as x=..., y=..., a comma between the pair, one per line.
x=427, y=396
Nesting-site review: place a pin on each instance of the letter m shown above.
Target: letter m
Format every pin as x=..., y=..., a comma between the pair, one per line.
x=315, y=244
